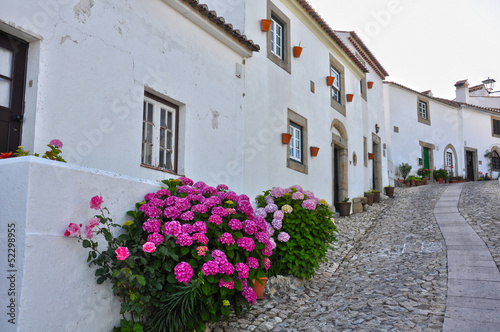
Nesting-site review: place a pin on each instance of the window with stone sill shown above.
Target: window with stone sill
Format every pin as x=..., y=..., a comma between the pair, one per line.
x=159, y=133
x=297, y=154
x=495, y=161
x=278, y=37
x=423, y=112
x=495, y=127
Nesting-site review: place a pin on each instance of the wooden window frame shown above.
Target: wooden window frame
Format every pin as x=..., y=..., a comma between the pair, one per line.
x=427, y=119
x=339, y=105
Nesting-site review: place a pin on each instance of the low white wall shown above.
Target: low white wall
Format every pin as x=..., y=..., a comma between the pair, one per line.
x=52, y=288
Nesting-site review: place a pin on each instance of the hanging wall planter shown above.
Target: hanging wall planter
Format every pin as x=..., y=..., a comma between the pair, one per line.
x=349, y=97
x=285, y=138
x=265, y=25
x=329, y=80
x=314, y=151
x=371, y=156
x=370, y=85
x=297, y=50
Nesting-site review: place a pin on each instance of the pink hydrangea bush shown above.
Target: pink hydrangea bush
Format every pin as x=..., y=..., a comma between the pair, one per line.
x=187, y=240
x=301, y=229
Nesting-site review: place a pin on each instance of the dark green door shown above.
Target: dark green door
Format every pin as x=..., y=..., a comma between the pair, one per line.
x=426, y=158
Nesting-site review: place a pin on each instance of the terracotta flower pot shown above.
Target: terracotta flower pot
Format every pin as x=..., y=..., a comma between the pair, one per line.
x=314, y=151
x=350, y=96
x=370, y=84
x=371, y=156
x=265, y=25
x=329, y=80
x=389, y=191
x=297, y=50
x=285, y=138
x=376, y=197
x=369, y=199
x=345, y=209
x=259, y=288
x=440, y=180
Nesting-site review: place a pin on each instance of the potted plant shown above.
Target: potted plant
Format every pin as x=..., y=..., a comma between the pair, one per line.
x=259, y=286
x=389, y=191
x=418, y=181
x=297, y=51
x=404, y=170
x=411, y=179
x=369, y=197
x=345, y=207
x=376, y=195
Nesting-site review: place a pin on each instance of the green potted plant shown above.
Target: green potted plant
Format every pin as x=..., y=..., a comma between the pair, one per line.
x=404, y=170
x=369, y=197
x=376, y=195
x=389, y=191
x=411, y=179
x=345, y=207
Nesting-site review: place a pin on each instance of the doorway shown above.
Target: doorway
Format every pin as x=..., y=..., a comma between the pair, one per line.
x=469, y=156
x=13, y=56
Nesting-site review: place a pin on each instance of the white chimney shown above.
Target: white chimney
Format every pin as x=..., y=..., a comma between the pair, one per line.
x=462, y=91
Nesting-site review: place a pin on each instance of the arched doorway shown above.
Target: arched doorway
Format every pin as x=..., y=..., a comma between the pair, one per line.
x=340, y=162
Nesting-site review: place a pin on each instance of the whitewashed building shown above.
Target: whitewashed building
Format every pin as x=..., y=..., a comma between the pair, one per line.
x=434, y=133
x=143, y=91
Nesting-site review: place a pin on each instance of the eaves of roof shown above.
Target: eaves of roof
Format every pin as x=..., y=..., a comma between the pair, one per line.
x=367, y=54
x=312, y=12
x=211, y=16
x=452, y=103
x=476, y=87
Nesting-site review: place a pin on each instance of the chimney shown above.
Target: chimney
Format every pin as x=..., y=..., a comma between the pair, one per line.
x=462, y=91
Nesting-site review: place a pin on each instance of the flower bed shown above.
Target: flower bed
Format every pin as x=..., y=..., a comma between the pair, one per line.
x=188, y=256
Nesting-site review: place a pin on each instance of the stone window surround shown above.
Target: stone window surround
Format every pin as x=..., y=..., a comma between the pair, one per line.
x=494, y=118
x=497, y=150
x=420, y=119
x=301, y=121
x=363, y=87
x=455, y=158
x=274, y=12
x=340, y=107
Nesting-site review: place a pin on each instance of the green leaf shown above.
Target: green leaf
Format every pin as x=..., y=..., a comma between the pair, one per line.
x=185, y=250
x=206, y=288
x=86, y=243
x=226, y=311
x=141, y=280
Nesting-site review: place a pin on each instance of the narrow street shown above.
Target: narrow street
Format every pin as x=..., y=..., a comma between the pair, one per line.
x=393, y=270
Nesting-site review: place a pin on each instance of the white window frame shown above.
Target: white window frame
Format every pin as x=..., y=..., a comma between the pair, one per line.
x=295, y=146
x=277, y=38
x=336, y=90
x=422, y=110
x=163, y=139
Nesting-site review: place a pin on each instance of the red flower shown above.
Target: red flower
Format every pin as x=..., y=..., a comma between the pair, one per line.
x=5, y=155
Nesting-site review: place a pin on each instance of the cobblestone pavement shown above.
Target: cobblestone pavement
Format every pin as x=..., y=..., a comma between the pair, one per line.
x=479, y=205
x=388, y=273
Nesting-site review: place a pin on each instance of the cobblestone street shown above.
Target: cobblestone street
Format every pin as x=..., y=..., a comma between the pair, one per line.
x=387, y=273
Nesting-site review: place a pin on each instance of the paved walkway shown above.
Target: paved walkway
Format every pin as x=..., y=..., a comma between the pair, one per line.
x=473, y=301
x=399, y=266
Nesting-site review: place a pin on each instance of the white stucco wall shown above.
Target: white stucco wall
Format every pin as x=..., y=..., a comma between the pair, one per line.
x=55, y=290
x=93, y=61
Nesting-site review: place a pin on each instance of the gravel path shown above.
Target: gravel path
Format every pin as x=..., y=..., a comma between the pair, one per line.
x=388, y=273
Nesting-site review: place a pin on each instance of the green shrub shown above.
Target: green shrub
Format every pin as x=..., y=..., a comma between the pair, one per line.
x=404, y=169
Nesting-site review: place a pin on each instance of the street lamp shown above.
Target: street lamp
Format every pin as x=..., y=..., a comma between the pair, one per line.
x=489, y=84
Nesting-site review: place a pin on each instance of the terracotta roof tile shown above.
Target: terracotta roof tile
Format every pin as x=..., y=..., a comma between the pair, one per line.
x=309, y=9
x=476, y=87
x=211, y=15
x=462, y=82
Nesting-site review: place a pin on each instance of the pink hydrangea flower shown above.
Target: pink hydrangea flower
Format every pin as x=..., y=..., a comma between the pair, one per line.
x=278, y=215
x=267, y=251
x=297, y=187
x=188, y=215
x=252, y=262
x=227, y=239
x=183, y=272
x=73, y=230
x=122, y=253
x=186, y=181
x=249, y=227
x=222, y=187
x=287, y=208
x=297, y=195
x=57, y=143
x=200, y=238
x=271, y=208
x=267, y=263
x=200, y=226
x=228, y=285
x=156, y=238
x=95, y=202
x=246, y=243
x=219, y=254
x=151, y=226
x=149, y=247
x=242, y=269
x=235, y=224
x=230, y=211
x=199, y=208
x=261, y=237
x=219, y=210
x=184, y=239
x=283, y=237
x=216, y=219
x=172, y=228
x=309, y=204
x=210, y=268
x=249, y=295
x=277, y=192
x=172, y=212
x=162, y=192
x=225, y=267
x=260, y=212
x=182, y=204
x=202, y=250
x=187, y=228
x=277, y=223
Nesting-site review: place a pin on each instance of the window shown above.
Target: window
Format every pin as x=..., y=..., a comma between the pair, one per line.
x=336, y=84
x=449, y=159
x=362, y=88
x=495, y=161
x=278, y=37
x=423, y=111
x=337, y=99
x=295, y=151
x=495, y=127
x=277, y=30
x=159, y=133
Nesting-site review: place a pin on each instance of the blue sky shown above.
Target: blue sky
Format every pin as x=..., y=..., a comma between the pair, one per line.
x=425, y=44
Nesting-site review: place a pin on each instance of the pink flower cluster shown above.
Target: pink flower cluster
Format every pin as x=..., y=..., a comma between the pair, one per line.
x=183, y=272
